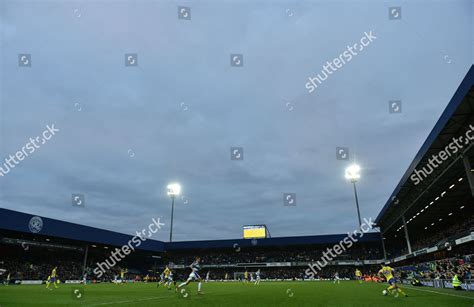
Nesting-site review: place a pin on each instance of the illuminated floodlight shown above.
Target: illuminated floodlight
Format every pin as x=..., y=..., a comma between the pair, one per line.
x=174, y=189
x=353, y=172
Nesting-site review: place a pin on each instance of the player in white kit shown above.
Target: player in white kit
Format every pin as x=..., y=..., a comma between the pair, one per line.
x=170, y=280
x=336, y=278
x=193, y=276
x=257, y=277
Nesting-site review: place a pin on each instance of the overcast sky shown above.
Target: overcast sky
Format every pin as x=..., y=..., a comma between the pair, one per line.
x=125, y=132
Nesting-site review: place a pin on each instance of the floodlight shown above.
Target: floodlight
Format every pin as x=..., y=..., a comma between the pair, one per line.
x=353, y=172
x=174, y=189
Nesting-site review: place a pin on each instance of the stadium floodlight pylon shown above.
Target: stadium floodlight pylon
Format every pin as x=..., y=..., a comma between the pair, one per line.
x=353, y=173
x=174, y=189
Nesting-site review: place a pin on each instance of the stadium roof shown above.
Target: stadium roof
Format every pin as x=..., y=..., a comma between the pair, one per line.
x=20, y=222
x=441, y=192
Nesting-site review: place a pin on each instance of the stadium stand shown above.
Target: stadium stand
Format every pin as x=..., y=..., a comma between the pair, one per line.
x=30, y=256
x=430, y=215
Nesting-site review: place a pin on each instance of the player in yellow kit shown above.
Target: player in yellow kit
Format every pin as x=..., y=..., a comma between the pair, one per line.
x=122, y=276
x=358, y=275
x=164, y=276
x=246, y=276
x=166, y=272
x=52, y=279
x=387, y=272
x=7, y=282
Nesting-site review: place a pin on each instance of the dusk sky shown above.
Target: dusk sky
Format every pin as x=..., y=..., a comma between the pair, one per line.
x=125, y=132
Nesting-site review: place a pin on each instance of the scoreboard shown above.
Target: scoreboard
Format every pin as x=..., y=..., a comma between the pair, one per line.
x=255, y=231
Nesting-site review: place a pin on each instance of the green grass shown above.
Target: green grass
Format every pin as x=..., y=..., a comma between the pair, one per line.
x=348, y=293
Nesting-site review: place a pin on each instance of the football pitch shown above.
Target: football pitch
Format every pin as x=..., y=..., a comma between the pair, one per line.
x=347, y=293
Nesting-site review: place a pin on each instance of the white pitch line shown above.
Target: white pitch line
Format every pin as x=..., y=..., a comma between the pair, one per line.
x=129, y=301
x=442, y=293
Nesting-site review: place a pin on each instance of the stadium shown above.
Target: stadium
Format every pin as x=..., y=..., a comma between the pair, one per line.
x=156, y=215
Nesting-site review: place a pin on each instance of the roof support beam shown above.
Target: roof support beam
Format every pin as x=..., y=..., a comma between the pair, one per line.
x=406, y=234
x=383, y=246
x=469, y=175
x=84, y=266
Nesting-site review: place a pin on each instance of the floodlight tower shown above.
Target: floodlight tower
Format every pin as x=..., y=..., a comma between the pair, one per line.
x=173, y=190
x=353, y=173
